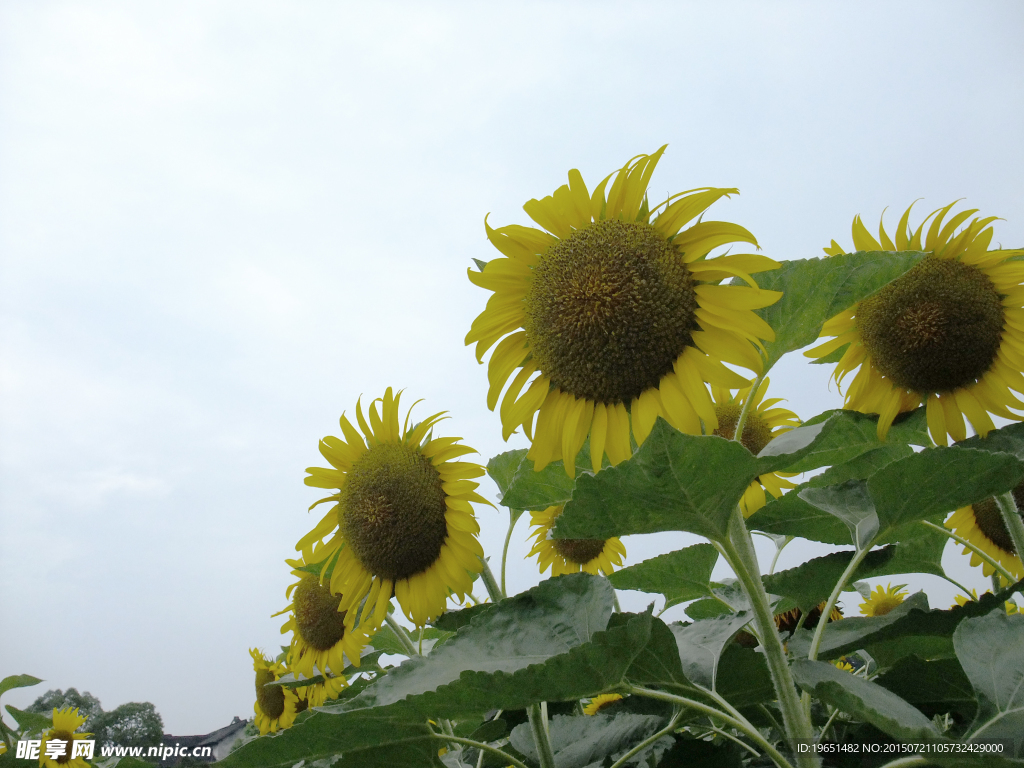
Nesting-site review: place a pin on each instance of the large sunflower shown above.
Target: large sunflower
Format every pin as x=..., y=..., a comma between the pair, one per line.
x=65, y=722
x=615, y=316
x=572, y=555
x=949, y=333
x=321, y=640
x=762, y=425
x=276, y=705
x=402, y=521
x=982, y=525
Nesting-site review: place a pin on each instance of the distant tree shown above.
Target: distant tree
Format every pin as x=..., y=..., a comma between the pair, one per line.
x=135, y=724
x=88, y=705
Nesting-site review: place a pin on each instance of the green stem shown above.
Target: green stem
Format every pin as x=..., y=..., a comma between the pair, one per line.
x=1013, y=522
x=959, y=586
x=496, y=592
x=741, y=422
x=740, y=553
x=504, y=552
x=402, y=635
x=828, y=723
x=648, y=741
x=505, y=756
x=983, y=555
x=778, y=551
x=541, y=737
x=615, y=602
x=819, y=630
x=751, y=732
x=734, y=739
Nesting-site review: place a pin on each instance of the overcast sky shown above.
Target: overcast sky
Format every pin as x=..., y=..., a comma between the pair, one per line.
x=220, y=223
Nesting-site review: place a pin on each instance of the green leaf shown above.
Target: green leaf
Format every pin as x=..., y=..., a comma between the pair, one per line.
x=701, y=644
x=991, y=651
x=939, y=480
x=815, y=290
x=813, y=581
x=584, y=740
x=529, y=489
x=861, y=467
x=1008, y=439
x=385, y=639
x=502, y=469
x=851, y=503
x=888, y=653
x=934, y=687
x=865, y=701
x=30, y=722
x=790, y=515
x=490, y=730
x=674, y=482
x=693, y=753
x=743, y=677
x=453, y=621
x=680, y=576
x=17, y=681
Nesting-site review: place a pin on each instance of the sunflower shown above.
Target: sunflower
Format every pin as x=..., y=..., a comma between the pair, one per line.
x=1011, y=607
x=276, y=705
x=763, y=424
x=843, y=664
x=321, y=640
x=402, y=521
x=317, y=694
x=787, y=620
x=615, y=316
x=572, y=555
x=982, y=525
x=65, y=722
x=882, y=600
x=600, y=702
x=949, y=333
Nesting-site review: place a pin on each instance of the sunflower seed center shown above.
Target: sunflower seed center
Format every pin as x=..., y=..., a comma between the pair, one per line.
x=270, y=698
x=392, y=511
x=990, y=520
x=934, y=329
x=317, y=619
x=69, y=738
x=756, y=432
x=579, y=551
x=608, y=311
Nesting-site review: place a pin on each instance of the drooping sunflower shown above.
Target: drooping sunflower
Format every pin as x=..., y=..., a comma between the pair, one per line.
x=788, y=620
x=402, y=520
x=600, y=702
x=883, y=599
x=949, y=333
x=276, y=705
x=982, y=525
x=321, y=640
x=762, y=425
x=65, y=722
x=615, y=316
x=571, y=555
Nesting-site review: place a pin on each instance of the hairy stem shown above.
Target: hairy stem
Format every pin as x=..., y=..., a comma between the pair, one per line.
x=983, y=555
x=541, y=737
x=504, y=552
x=493, y=589
x=746, y=728
x=1012, y=521
x=819, y=631
x=740, y=553
x=505, y=756
x=647, y=742
x=402, y=635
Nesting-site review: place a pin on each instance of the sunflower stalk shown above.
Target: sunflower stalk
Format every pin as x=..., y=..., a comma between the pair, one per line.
x=496, y=592
x=504, y=552
x=819, y=630
x=741, y=422
x=973, y=548
x=1012, y=521
x=541, y=737
x=742, y=558
x=504, y=756
x=402, y=635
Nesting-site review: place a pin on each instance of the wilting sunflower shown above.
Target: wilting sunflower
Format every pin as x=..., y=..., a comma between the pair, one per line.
x=572, y=555
x=276, y=705
x=402, y=519
x=65, y=722
x=600, y=702
x=615, y=316
x=883, y=599
x=982, y=525
x=321, y=639
x=763, y=424
x=949, y=333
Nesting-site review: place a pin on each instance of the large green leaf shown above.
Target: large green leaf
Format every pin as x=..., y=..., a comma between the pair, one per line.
x=702, y=642
x=991, y=651
x=680, y=576
x=1008, y=439
x=694, y=753
x=502, y=470
x=453, y=621
x=790, y=515
x=865, y=701
x=934, y=687
x=850, y=503
x=814, y=290
x=674, y=482
x=17, y=681
x=530, y=489
x=30, y=722
x=583, y=740
x=742, y=676
x=811, y=582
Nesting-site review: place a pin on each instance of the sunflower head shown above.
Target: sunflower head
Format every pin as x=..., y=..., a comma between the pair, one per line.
x=1011, y=607
x=65, y=724
x=571, y=555
x=275, y=705
x=949, y=333
x=601, y=702
x=787, y=621
x=883, y=599
x=614, y=314
x=982, y=525
x=762, y=425
x=843, y=664
x=401, y=523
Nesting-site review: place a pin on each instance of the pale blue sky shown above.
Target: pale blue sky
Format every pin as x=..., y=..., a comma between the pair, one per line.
x=222, y=222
